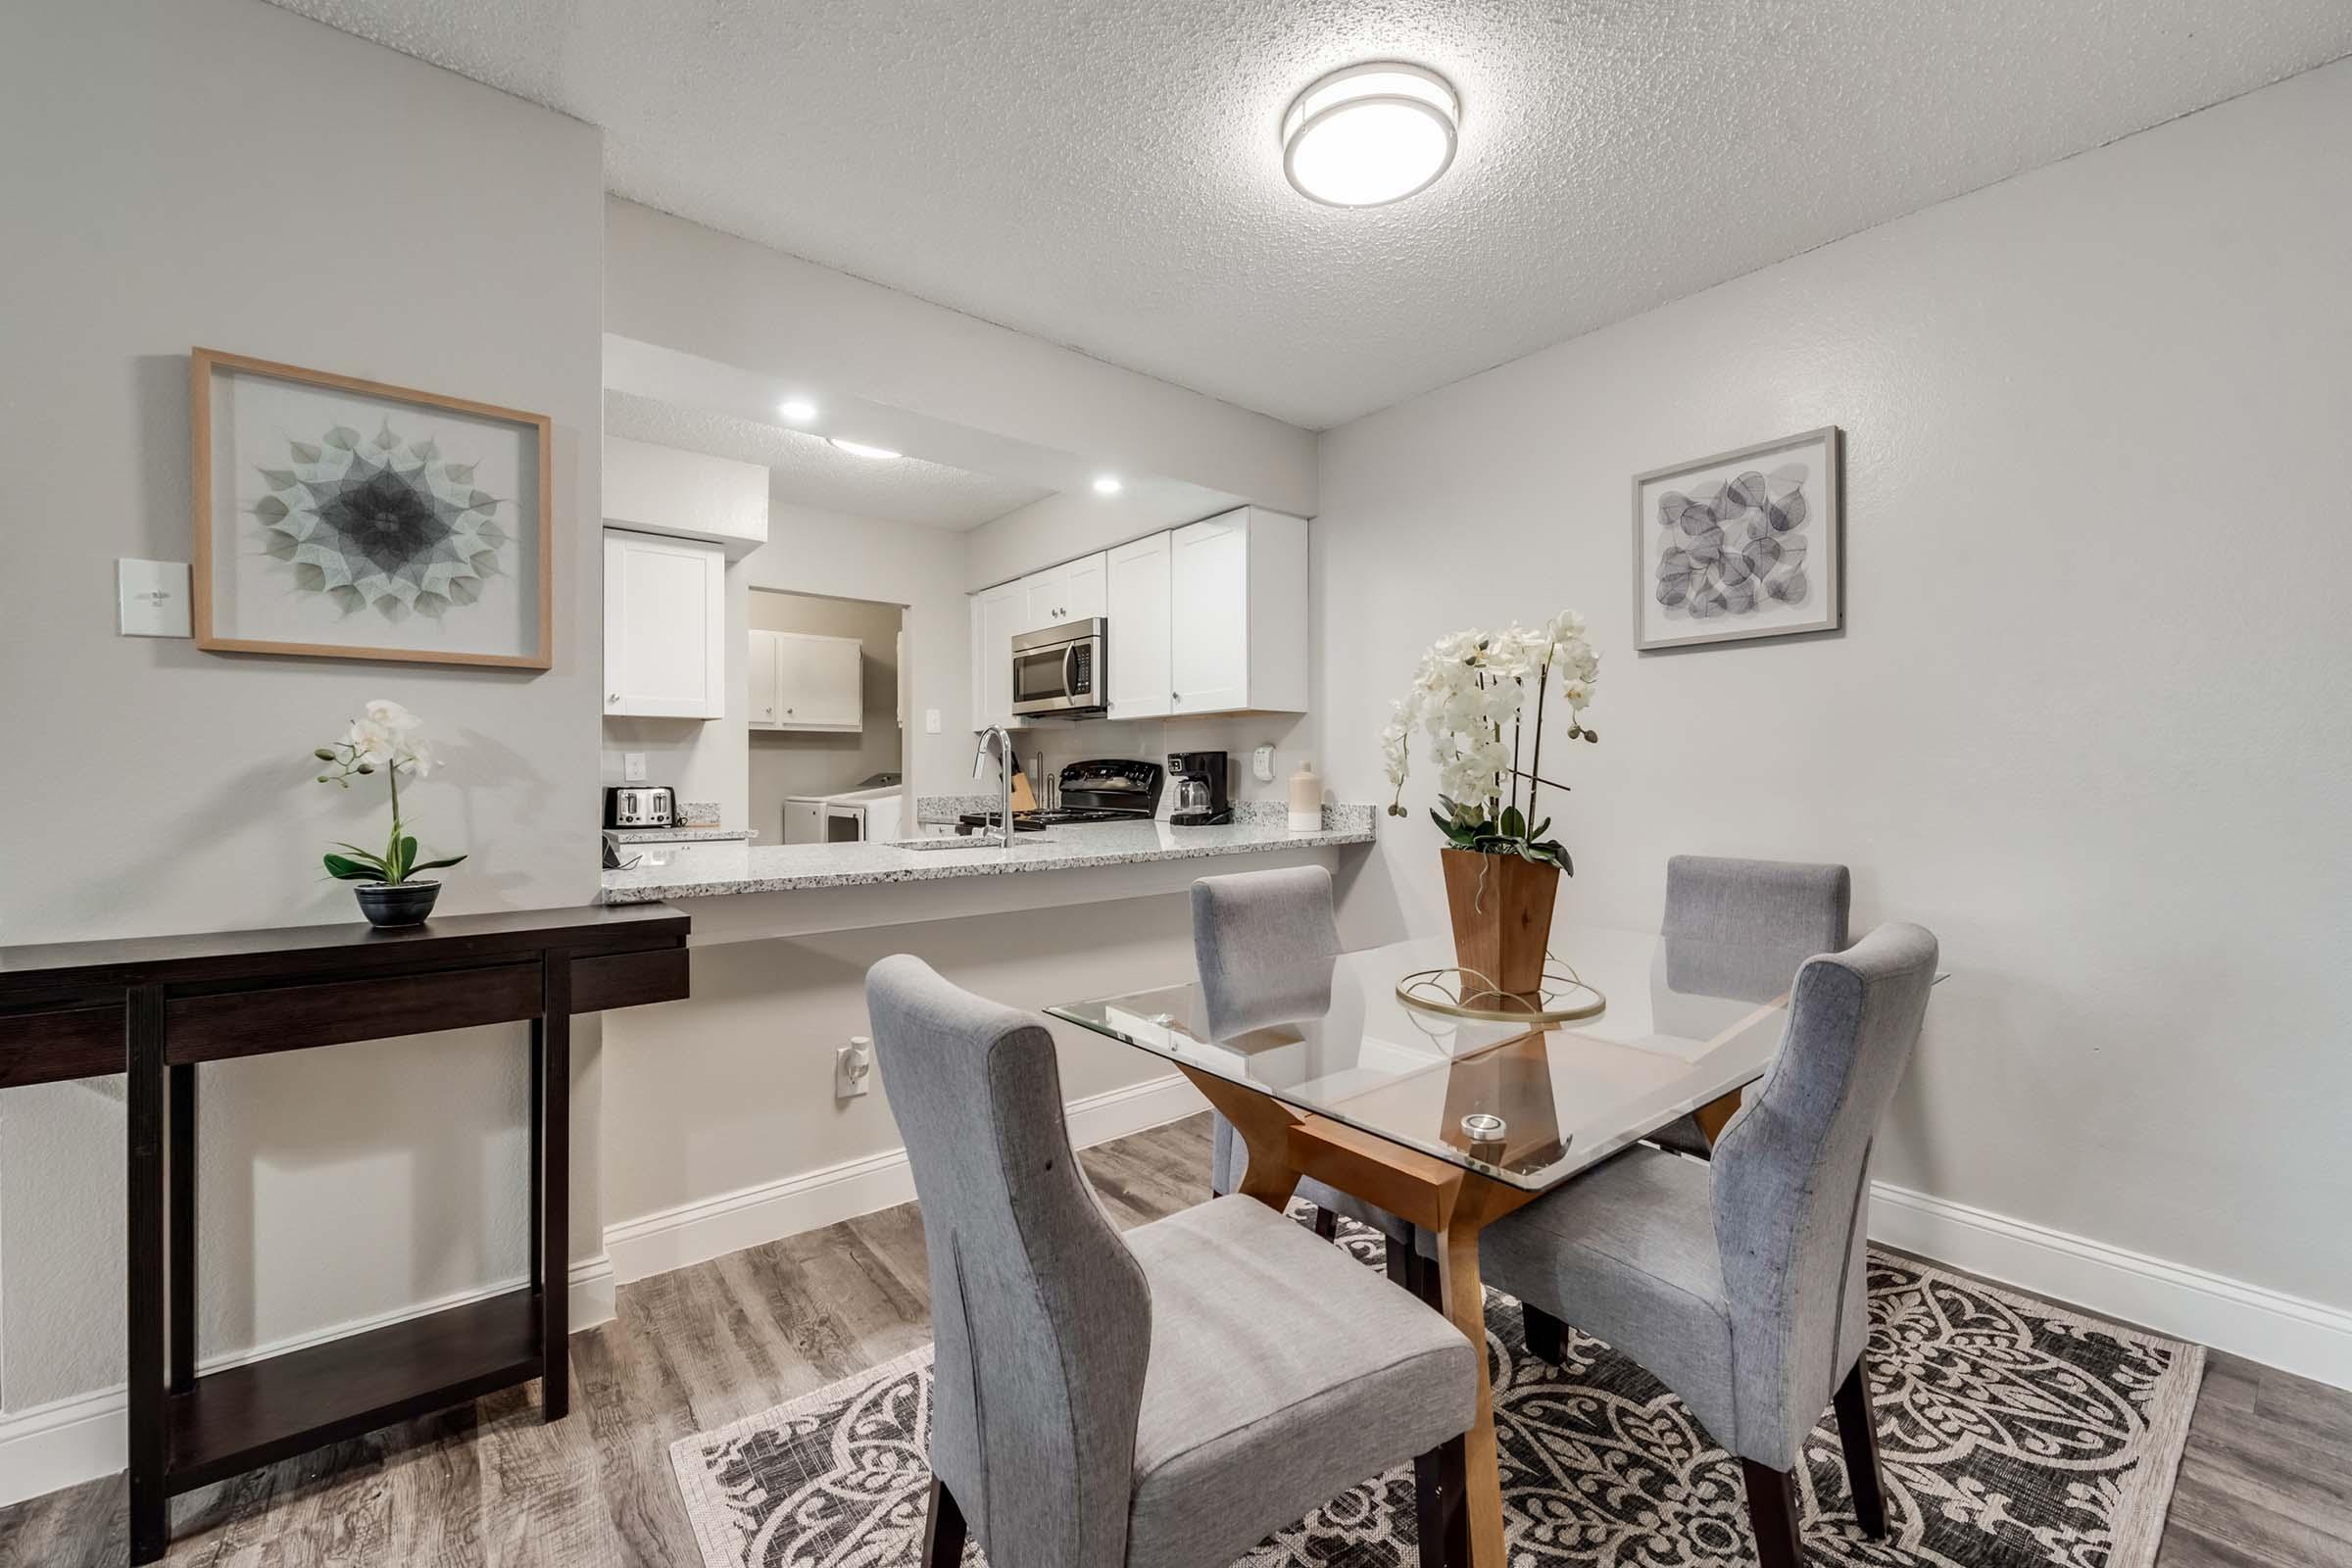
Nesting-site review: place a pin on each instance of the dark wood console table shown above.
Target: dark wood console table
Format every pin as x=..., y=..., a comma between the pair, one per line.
x=154, y=1007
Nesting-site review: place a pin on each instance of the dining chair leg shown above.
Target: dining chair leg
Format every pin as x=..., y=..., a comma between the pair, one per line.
x=1857, y=1430
x=1327, y=1223
x=1402, y=1265
x=1441, y=1522
x=942, y=1529
x=1546, y=1336
x=1772, y=1511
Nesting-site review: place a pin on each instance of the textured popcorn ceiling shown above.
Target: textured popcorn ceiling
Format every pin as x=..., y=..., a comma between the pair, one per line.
x=809, y=471
x=1107, y=175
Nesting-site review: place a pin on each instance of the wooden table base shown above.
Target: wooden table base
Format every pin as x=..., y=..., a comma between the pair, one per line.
x=1442, y=1197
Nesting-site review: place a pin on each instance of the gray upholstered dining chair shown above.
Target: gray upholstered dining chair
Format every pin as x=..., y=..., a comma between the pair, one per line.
x=1263, y=942
x=1163, y=1399
x=1790, y=905
x=1740, y=1284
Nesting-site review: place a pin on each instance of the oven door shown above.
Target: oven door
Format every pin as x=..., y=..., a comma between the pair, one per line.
x=1059, y=669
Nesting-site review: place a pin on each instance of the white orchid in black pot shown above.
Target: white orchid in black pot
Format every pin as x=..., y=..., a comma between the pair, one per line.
x=390, y=740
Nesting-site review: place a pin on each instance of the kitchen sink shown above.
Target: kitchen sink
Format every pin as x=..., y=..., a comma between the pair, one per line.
x=936, y=842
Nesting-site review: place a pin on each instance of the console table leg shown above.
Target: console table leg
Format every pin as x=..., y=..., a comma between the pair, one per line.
x=144, y=1118
x=537, y=1112
x=553, y=1032
x=180, y=1155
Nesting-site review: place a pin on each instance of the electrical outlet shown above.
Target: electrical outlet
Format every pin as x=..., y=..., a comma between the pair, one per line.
x=930, y=720
x=632, y=768
x=853, y=1068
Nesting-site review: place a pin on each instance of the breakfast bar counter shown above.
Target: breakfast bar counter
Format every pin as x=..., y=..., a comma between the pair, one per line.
x=749, y=891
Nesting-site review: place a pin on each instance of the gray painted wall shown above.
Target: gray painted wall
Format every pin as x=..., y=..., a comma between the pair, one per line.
x=222, y=172
x=2087, y=717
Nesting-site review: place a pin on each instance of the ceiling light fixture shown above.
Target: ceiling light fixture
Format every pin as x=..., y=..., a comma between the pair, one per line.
x=800, y=411
x=1370, y=135
x=1107, y=484
x=858, y=449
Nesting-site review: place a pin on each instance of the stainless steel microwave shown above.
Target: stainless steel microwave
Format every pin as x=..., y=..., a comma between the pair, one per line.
x=1062, y=669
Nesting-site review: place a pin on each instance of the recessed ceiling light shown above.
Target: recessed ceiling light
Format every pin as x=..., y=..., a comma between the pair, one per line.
x=800, y=411
x=1370, y=135
x=1106, y=484
x=858, y=449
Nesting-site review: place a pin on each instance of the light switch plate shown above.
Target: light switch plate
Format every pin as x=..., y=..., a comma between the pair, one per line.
x=151, y=599
x=632, y=768
x=930, y=720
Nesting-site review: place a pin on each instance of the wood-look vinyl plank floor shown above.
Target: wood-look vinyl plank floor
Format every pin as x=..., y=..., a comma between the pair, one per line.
x=2266, y=1480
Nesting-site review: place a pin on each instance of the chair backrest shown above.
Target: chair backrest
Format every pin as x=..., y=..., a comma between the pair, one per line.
x=1774, y=903
x=1040, y=1317
x=1263, y=942
x=1789, y=1183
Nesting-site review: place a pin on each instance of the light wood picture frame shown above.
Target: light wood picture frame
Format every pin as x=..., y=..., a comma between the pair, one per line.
x=339, y=517
x=1744, y=544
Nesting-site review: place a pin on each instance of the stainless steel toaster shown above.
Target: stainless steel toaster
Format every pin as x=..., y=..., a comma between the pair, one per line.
x=640, y=805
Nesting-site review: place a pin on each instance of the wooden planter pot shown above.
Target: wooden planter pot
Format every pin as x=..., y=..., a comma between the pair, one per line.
x=1502, y=907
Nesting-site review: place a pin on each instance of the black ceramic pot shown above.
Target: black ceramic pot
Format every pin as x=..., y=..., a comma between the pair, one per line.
x=406, y=903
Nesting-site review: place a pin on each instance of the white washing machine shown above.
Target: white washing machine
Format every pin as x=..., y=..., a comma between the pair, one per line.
x=867, y=814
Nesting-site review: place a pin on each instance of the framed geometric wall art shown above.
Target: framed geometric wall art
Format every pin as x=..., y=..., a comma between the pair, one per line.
x=343, y=518
x=1742, y=543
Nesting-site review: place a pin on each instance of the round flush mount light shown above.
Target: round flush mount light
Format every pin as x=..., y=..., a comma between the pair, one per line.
x=1370, y=135
x=1107, y=484
x=858, y=449
x=800, y=411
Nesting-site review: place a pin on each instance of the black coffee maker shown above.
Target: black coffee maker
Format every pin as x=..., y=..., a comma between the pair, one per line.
x=1199, y=779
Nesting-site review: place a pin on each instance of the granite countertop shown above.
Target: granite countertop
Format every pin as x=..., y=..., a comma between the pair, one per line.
x=680, y=835
x=708, y=870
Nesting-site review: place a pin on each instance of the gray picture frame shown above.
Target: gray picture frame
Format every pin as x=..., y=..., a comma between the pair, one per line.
x=1656, y=626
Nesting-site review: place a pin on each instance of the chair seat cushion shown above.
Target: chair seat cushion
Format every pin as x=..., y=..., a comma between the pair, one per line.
x=1626, y=1253
x=1283, y=1372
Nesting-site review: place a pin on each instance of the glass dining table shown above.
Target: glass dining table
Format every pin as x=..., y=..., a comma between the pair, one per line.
x=1334, y=1071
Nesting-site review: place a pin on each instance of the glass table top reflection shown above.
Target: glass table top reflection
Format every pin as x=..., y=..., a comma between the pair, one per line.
x=1683, y=1024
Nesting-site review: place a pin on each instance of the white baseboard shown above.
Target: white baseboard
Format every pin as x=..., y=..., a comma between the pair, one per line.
x=694, y=1233
x=2303, y=1337
x=70, y=1440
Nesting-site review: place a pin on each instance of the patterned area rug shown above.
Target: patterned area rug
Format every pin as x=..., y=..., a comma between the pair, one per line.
x=2012, y=1433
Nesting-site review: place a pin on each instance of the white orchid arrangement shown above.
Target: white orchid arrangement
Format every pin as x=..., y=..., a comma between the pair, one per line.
x=1471, y=689
x=385, y=738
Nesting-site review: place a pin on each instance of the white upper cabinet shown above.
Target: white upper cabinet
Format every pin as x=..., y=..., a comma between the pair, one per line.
x=1141, y=623
x=801, y=681
x=999, y=615
x=665, y=622
x=1237, y=602
x=1075, y=590
x=1208, y=619
x=656, y=489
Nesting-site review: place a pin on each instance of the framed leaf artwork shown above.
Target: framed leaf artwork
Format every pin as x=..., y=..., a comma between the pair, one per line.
x=343, y=518
x=1740, y=545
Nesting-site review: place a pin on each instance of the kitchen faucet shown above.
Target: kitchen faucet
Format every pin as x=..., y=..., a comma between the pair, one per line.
x=1005, y=763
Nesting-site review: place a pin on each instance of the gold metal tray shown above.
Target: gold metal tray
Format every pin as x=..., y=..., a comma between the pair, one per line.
x=1467, y=994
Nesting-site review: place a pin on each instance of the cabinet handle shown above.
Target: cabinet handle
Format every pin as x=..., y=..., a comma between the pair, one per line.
x=611, y=697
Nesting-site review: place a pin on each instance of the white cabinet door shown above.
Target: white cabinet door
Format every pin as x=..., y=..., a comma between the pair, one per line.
x=1136, y=605
x=1085, y=587
x=1040, y=599
x=665, y=622
x=819, y=682
x=1209, y=596
x=761, y=667
x=999, y=615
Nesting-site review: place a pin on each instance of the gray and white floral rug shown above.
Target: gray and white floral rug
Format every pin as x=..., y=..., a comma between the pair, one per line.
x=2011, y=1432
